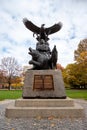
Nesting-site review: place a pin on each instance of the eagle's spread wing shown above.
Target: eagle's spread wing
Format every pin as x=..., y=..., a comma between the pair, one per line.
x=53, y=29
x=29, y=25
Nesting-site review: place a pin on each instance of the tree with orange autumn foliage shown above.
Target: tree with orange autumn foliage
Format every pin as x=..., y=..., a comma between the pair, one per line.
x=76, y=74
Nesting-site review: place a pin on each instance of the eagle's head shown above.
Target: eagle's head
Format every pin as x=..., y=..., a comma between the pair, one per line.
x=42, y=26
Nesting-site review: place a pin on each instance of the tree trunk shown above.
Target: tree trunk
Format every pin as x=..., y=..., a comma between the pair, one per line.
x=9, y=86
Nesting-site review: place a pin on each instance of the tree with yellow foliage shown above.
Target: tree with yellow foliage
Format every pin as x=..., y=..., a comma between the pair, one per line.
x=76, y=74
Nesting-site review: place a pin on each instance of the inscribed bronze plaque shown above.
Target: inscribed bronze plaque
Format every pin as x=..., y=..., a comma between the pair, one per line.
x=43, y=82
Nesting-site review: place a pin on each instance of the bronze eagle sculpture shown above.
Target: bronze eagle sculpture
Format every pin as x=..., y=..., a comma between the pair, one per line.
x=42, y=32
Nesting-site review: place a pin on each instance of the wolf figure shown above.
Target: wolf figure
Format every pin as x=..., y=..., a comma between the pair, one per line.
x=42, y=60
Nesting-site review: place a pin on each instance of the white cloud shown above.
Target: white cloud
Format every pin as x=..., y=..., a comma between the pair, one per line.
x=15, y=39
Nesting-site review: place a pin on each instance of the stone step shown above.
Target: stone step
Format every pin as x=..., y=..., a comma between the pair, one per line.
x=59, y=112
x=44, y=102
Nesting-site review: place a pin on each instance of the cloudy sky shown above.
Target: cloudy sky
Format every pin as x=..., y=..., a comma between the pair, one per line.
x=15, y=39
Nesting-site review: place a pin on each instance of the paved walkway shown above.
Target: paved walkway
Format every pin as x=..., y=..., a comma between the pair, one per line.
x=39, y=123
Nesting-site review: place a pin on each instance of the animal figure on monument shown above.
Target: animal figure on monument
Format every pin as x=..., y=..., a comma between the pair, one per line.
x=43, y=60
x=42, y=57
x=42, y=32
x=39, y=60
x=54, y=57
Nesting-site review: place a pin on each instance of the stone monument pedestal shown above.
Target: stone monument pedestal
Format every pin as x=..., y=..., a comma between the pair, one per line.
x=44, y=95
x=31, y=108
x=44, y=84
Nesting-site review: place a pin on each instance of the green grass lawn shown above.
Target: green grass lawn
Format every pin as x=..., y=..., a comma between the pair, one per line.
x=81, y=94
x=14, y=94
